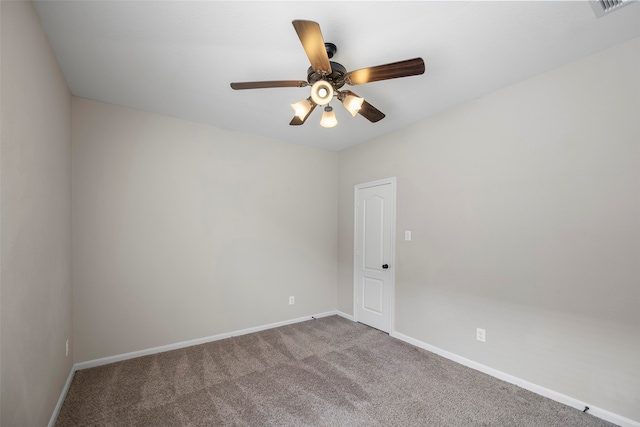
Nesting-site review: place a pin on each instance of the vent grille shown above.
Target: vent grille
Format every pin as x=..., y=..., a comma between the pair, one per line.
x=604, y=7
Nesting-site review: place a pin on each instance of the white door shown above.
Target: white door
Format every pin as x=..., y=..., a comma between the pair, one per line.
x=374, y=253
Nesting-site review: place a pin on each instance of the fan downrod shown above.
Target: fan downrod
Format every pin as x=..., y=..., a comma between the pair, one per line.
x=331, y=49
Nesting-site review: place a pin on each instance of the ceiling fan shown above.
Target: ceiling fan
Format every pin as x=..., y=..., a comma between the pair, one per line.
x=327, y=78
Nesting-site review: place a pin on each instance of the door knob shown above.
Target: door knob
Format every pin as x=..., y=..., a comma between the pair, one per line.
x=385, y=266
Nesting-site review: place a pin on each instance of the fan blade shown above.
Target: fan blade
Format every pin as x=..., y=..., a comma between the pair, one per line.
x=311, y=38
x=370, y=112
x=410, y=67
x=367, y=110
x=269, y=84
x=297, y=121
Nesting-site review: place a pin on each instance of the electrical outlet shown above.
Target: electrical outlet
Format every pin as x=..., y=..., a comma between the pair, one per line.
x=480, y=334
x=66, y=348
x=292, y=300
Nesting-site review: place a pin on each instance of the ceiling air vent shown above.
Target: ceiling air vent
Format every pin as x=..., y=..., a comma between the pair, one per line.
x=604, y=7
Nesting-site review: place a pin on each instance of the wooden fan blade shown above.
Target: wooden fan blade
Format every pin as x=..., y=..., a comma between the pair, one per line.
x=297, y=121
x=311, y=38
x=367, y=110
x=269, y=84
x=370, y=112
x=410, y=67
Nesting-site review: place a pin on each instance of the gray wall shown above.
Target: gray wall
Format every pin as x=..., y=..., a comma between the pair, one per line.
x=35, y=278
x=525, y=212
x=183, y=231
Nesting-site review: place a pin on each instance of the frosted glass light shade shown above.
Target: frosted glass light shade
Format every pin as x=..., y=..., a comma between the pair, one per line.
x=302, y=108
x=328, y=118
x=352, y=104
x=321, y=92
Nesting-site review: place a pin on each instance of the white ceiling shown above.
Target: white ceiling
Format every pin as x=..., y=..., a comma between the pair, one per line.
x=178, y=57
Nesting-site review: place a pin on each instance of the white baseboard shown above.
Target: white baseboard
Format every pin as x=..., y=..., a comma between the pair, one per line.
x=63, y=395
x=551, y=394
x=325, y=314
x=198, y=341
x=345, y=315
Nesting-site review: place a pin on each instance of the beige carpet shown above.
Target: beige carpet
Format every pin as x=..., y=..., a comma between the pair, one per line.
x=325, y=372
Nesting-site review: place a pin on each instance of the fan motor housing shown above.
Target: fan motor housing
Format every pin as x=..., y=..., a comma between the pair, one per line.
x=336, y=77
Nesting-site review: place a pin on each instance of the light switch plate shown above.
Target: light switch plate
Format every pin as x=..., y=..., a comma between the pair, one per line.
x=407, y=235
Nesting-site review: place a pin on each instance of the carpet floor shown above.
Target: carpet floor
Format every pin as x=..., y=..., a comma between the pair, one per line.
x=324, y=372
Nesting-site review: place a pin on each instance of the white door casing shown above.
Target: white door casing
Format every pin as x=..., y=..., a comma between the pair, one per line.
x=374, y=254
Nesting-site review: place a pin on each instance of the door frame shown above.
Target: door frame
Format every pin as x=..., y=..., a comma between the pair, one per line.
x=392, y=276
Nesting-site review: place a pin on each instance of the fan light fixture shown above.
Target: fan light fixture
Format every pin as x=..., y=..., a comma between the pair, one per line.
x=301, y=109
x=328, y=118
x=321, y=92
x=352, y=104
